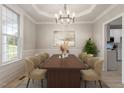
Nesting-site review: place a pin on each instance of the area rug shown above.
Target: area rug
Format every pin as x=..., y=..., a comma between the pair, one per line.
x=37, y=84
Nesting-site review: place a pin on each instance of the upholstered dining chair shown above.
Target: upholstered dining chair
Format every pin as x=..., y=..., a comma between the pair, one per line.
x=43, y=56
x=36, y=61
x=34, y=73
x=46, y=55
x=84, y=56
x=93, y=74
x=91, y=60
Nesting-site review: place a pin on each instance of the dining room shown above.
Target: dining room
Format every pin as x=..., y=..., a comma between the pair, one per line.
x=55, y=45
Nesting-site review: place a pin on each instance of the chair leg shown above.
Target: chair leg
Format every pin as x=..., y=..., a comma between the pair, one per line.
x=28, y=83
x=85, y=83
x=33, y=81
x=42, y=83
x=100, y=83
x=80, y=82
x=95, y=82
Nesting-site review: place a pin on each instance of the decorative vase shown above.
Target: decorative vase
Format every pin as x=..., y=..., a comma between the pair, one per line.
x=63, y=55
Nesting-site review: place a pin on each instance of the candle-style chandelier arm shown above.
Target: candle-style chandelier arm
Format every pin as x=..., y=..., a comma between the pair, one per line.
x=65, y=17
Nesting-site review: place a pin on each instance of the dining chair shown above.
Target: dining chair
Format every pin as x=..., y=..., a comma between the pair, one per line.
x=34, y=73
x=36, y=61
x=93, y=74
x=43, y=57
x=46, y=55
x=91, y=60
x=84, y=56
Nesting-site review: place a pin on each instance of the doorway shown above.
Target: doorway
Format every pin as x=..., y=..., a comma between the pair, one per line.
x=113, y=52
x=114, y=45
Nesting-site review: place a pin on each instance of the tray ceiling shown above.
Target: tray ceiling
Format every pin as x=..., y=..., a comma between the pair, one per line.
x=45, y=12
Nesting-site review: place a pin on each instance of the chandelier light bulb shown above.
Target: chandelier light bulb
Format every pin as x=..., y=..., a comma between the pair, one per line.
x=56, y=15
x=60, y=12
x=68, y=20
x=65, y=16
x=68, y=12
x=73, y=15
x=62, y=20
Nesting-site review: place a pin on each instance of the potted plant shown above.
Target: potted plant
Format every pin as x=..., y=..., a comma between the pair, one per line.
x=90, y=47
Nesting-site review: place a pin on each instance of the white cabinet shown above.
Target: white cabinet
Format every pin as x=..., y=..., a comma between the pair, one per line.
x=117, y=34
x=111, y=60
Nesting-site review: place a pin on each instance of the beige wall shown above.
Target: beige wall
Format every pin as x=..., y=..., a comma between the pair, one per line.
x=45, y=36
x=99, y=33
x=40, y=37
x=10, y=71
x=29, y=37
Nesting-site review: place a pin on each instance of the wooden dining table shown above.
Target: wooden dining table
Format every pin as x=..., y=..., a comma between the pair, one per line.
x=63, y=72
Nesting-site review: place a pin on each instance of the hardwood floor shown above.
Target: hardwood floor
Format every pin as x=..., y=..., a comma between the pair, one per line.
x=111, y=79
x=22, y=84
x=15, y=83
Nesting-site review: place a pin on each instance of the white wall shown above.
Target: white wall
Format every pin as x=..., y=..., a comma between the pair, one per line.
x=98, y=33
x=29, y=37
x=45, y=36
x=43, y=39
x=10, y=71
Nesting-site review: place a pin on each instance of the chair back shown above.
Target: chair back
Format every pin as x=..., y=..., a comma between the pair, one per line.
x=84, y=56
x=91, y=60
x=98, y=67
x=42, y=57
x=46, y=55
x=29, y=66
x=35, y=60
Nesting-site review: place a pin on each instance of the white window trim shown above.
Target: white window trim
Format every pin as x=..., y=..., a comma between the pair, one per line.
x=0, y=34
x=19, y=12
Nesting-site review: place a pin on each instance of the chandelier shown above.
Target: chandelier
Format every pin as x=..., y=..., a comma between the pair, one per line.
x=65, y=17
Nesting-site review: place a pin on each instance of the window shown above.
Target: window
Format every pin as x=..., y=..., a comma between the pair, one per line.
x=10, y=35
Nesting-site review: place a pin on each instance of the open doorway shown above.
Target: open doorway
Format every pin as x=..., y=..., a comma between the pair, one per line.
x=113, y=52
x=114, y=45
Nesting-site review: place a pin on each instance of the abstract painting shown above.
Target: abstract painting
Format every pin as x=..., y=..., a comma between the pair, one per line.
x=64, y=36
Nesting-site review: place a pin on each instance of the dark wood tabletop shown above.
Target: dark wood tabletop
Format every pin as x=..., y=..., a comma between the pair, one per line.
x=71, y=62
x=63, y=73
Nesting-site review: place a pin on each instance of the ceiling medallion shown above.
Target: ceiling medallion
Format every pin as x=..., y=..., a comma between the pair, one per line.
x=65, y=17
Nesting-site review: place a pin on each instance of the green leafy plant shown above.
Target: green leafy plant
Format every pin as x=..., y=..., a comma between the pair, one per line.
x=90, y=47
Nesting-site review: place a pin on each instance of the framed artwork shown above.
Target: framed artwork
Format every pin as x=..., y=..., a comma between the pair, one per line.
x=64, y=36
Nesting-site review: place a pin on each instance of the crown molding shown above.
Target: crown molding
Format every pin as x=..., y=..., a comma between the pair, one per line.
x=87, y=22
x=81, y=22
x=85, y=12
x=41, y=12
x=82, y=13
x=104, y=12
x=21, y=11
x=28, y=16
x=45, y=22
